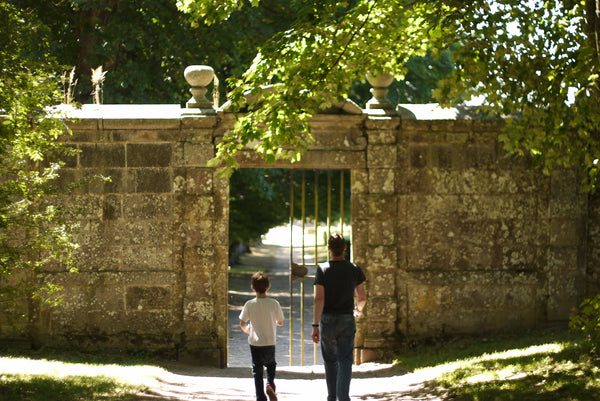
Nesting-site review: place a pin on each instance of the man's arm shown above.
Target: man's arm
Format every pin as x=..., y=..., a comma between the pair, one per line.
x=361, y=299
x=317, y=311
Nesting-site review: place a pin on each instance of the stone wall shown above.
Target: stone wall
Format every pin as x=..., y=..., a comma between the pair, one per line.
x=453, y=236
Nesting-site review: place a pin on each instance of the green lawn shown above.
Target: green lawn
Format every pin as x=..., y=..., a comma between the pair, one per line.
x=540, y=366
x=66, y=378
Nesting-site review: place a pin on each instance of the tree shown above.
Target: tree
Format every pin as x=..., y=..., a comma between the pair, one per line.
x=538, y=62
x=145, y=45
x=258, y=201
x=523, y=58
x=33, y=233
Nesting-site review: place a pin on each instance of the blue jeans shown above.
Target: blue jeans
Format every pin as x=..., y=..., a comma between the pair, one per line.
x=263, y=357
x=337, y=346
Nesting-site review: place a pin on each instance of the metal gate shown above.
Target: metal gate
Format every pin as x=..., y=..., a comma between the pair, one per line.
x=308, y=196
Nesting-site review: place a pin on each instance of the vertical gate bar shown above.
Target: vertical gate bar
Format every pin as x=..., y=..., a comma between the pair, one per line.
x=291, y=282
x=302, y=280
x=316, y=243
x=342, y=202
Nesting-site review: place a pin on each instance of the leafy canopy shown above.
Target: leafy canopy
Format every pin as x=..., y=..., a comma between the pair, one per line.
x=524, y=59
x=538, y=62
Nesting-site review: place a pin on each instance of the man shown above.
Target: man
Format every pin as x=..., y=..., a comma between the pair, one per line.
x=336, y=282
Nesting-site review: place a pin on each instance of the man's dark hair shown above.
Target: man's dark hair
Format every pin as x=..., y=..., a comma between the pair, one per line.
x=260, y=282
x=337, y=244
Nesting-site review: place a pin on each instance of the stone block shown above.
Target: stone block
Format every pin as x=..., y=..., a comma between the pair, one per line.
x=382, y=181
x=197, y=154
x=119, y=181
x=154, y=180
x=563, y=258
x=160, y=233
x=565, y=293
x=146, y=257
x=199, y=258
x=382, y=136
x=382, y=257
x=148, y=206
x=130, y=124
x=458, y=137
x=565, y=207
x=97, y=257
x=381, y=156
x=102, y=155
x=382, y=122
x=381, y=283
x=199, y=181
x=382, y=232
x=383, y=308
x=199, y=233
x=446, y=156
x=149, y=154
x=148, y=327
x=199, y=207
x=147, y=298
x=565, y=232
x=378, y=329
x=480, y=156
x=195, y=312
x=563, y=182
x=380, y=206
x=360, y=181
x=418, y=155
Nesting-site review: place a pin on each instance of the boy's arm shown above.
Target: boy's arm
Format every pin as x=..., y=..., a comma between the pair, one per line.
x=244, y=327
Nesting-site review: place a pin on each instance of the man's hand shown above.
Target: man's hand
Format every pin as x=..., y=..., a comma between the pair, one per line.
x=315, y=335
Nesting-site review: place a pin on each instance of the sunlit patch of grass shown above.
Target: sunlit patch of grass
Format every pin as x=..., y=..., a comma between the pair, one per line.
x=560, y=369
x=33, y=380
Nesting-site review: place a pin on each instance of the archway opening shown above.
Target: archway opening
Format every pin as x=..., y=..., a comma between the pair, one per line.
x=316, y=203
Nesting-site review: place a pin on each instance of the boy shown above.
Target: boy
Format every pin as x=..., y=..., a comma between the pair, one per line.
x=265, y=315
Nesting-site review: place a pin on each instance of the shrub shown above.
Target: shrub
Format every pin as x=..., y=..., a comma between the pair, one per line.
x=587, y=321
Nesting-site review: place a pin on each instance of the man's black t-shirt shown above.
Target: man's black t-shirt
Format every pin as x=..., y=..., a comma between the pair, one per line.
x=340, y=278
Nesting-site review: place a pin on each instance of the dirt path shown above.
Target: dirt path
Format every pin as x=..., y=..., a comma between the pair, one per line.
x=371, y=382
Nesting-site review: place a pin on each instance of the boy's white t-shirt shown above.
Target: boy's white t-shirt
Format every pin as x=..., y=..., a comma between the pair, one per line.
x=263, y=313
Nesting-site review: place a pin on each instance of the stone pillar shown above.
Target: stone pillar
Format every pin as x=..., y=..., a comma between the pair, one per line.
x=378, y=208
x=202, y=215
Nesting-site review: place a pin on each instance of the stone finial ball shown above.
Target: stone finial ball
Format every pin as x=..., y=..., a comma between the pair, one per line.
x=199, y=75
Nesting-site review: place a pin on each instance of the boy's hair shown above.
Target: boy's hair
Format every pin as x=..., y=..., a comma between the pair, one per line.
x=337, y=244
x=260, y=282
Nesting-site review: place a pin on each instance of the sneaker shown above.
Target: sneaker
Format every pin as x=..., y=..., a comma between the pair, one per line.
x=271, y=394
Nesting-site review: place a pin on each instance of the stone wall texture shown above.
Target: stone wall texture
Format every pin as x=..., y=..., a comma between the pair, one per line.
x=454, y=237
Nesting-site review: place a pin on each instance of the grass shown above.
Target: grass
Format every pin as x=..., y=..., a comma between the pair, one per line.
x=540, y=366
x=67, y=377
